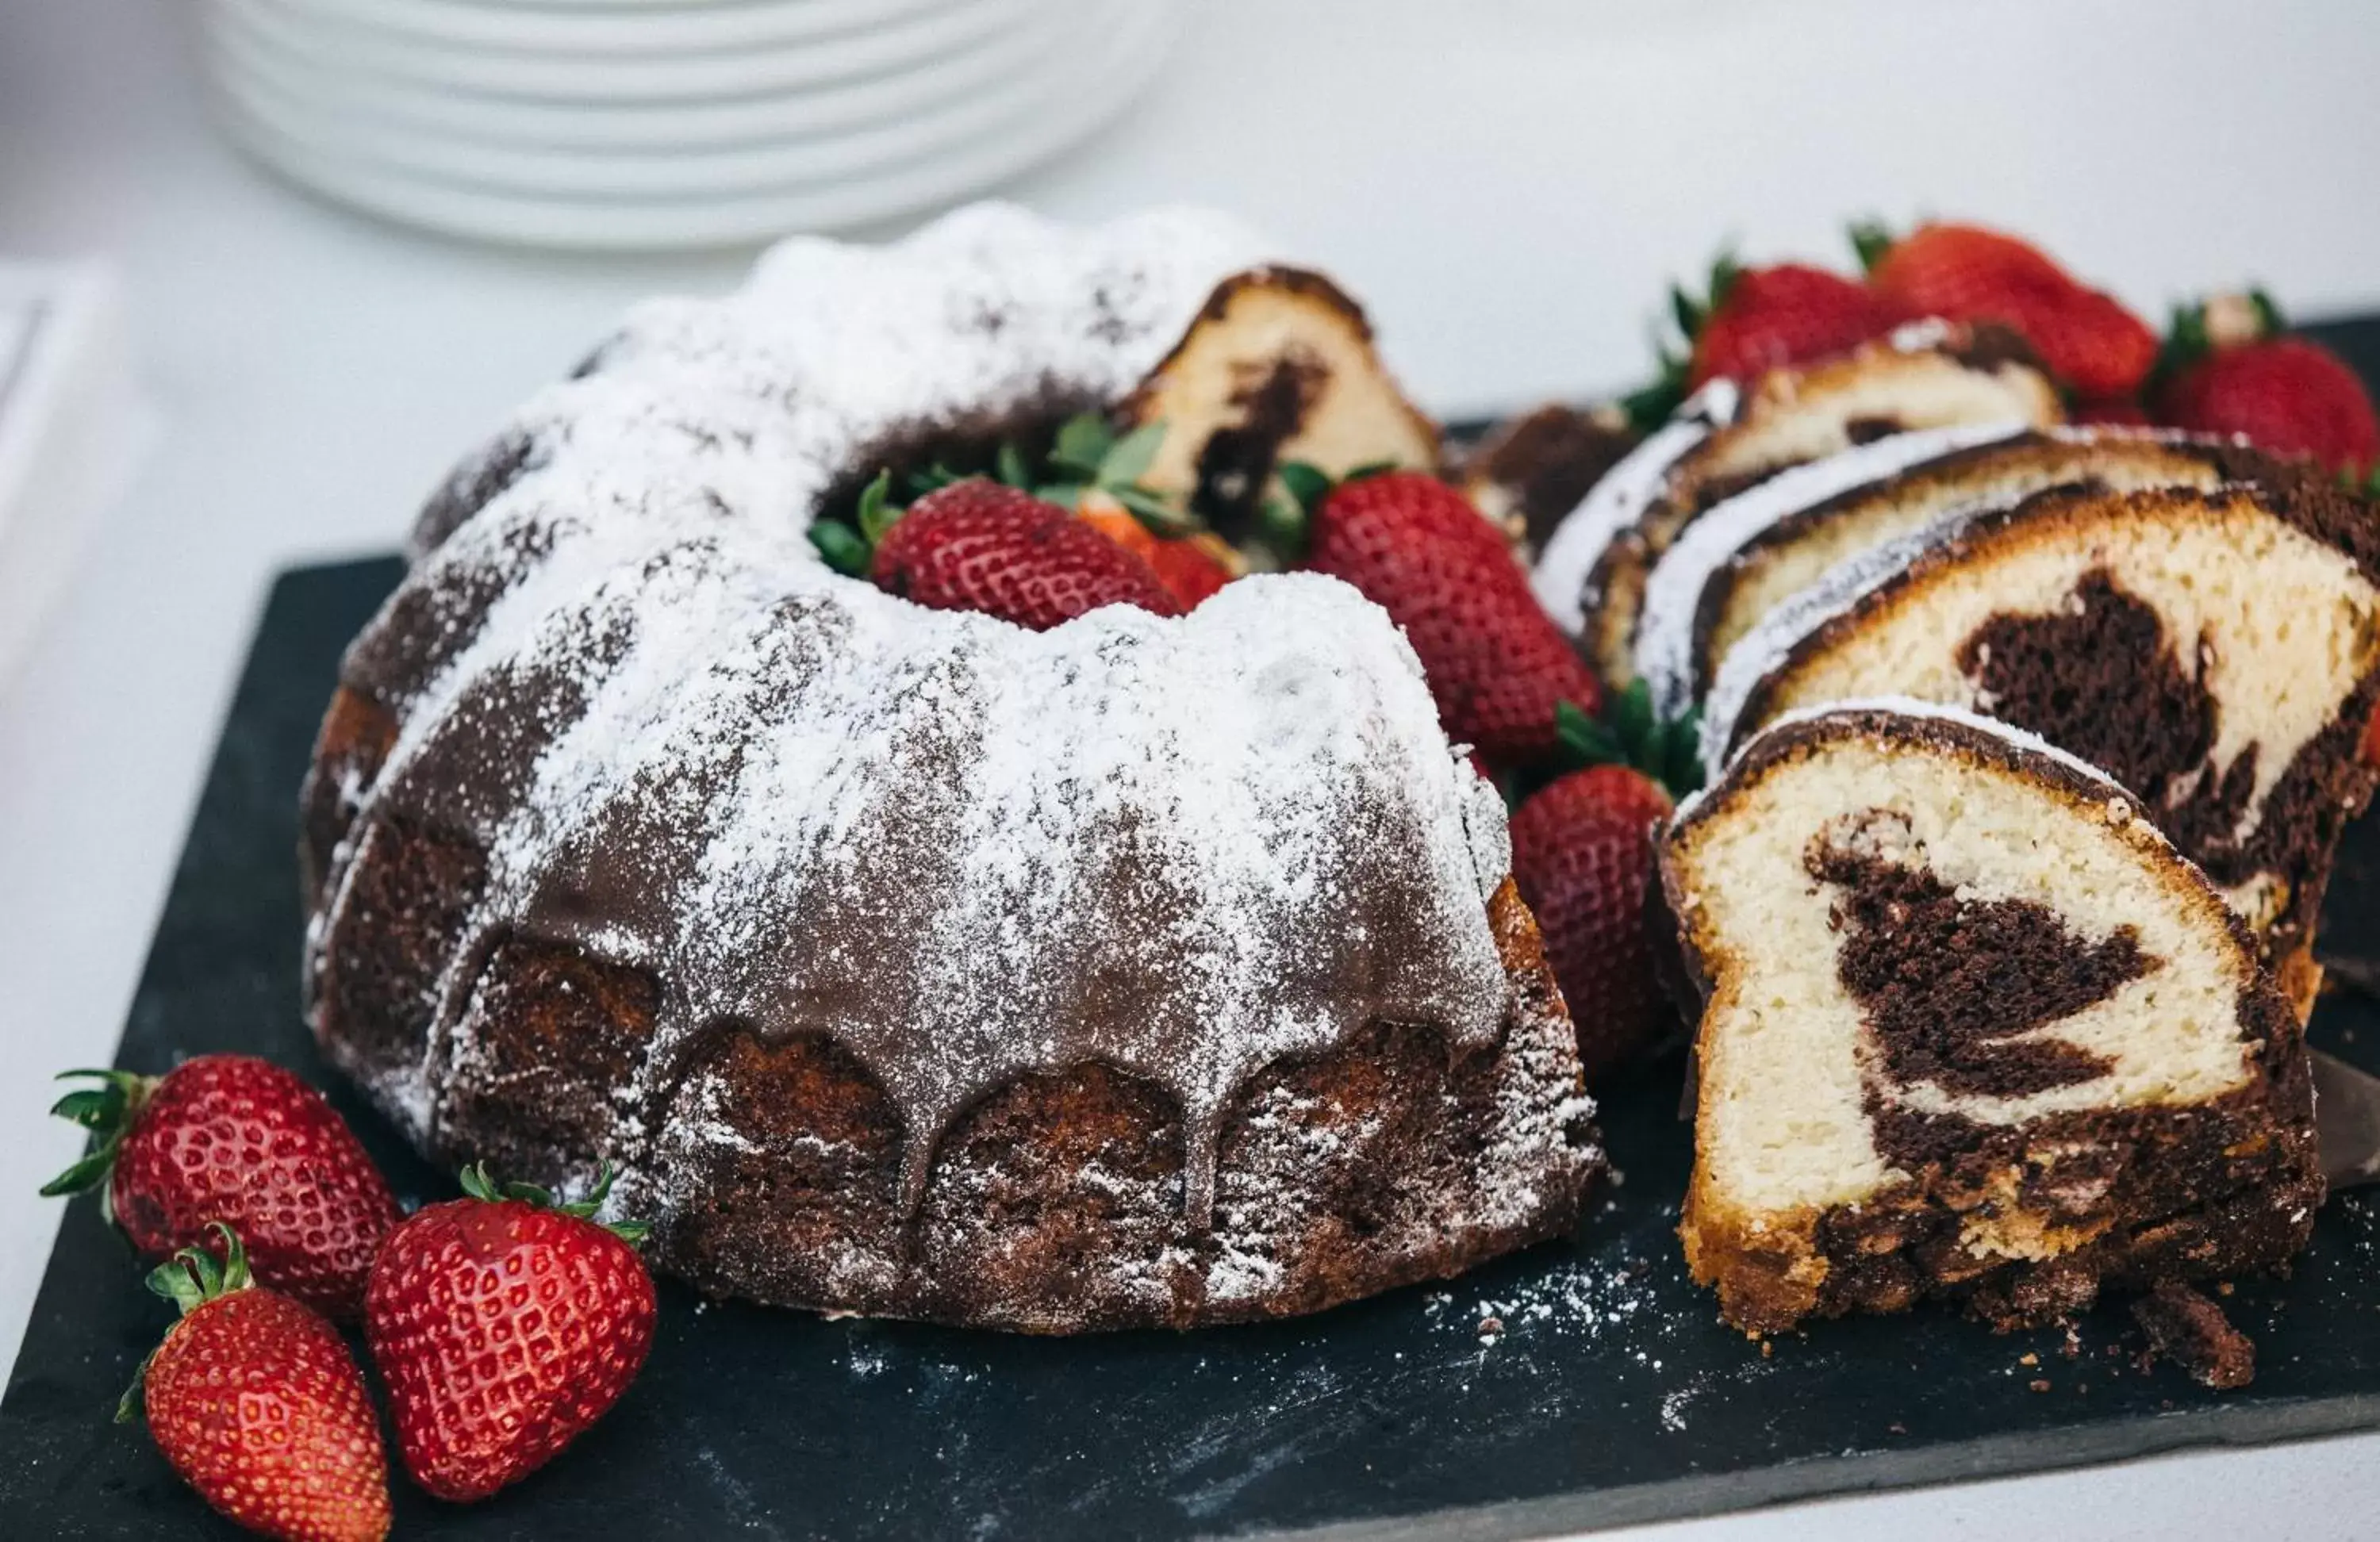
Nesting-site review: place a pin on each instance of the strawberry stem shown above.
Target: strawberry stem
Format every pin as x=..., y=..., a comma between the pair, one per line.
x=1871, y=240
x=479, y=1185
x=107, y=1110
x=1629, y=735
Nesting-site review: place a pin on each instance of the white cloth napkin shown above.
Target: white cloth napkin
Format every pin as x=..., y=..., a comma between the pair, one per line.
x=73, y=431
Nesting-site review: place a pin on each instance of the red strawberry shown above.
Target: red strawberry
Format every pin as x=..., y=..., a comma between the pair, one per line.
x=1191, y=566
x=234, y=1139
x=1583, y=859
x=256, y=1402
x=978, y=545
x=2230, y=369
x=1497, y=664
x=1966, y=273
x=1761, y=319
x=505, y=1325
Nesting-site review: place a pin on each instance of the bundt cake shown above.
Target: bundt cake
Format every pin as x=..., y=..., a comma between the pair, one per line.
x=1141, y=971
x=2218, y=653
x=1972, y=1028
x=1928, y=375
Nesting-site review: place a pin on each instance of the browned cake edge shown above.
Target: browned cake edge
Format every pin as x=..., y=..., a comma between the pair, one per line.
x=2209, y=1191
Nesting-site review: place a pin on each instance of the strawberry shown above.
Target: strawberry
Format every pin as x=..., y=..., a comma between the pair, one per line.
x=1191, y=566
x=255, y=1401
x=1762, y=319
x=980, y=545
x=505, y=1325
x=1582, y=860
x=1496, y=663
x=231, y=1138
x=2229, y=368
x=1755, y=319
x=1966, y=273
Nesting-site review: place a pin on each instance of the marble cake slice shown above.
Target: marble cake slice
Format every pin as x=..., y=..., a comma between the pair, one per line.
x=2216, y=652
x=1590, y=575
x=1971, y=1029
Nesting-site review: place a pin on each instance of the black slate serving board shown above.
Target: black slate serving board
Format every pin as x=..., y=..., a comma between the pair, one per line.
x=1603, y=1392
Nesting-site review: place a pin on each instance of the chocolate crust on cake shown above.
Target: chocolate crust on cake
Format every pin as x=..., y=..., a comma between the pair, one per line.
x=1753, y=553
x=2059, y=614
x=1147, y=971
x=1529, y=473
x=1971, y=1155
x=1927, y=375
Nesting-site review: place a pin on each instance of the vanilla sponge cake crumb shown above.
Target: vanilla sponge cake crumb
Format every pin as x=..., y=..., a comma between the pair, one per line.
x=1972, y=1028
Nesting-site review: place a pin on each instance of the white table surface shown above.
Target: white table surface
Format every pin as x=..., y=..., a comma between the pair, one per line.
x=1507, y=182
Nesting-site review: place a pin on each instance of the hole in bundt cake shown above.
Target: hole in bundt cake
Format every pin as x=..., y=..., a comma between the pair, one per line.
x=965, y=447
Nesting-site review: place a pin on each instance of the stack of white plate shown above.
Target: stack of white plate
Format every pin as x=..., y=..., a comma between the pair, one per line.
x=669, y=123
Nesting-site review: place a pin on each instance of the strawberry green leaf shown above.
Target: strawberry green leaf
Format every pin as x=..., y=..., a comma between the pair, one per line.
x=1011, y=466
x=1369, y=470
x=1066, y=495
x=933, y=479
x=1083, y=444
x=84, y=1175
x=1650, y=406
x=1870, y=240
x=877, y=512
x=1158, y=516
x=844, y=549
x=2269, y=313
x=1283, y=527
x=1687, y=311
x=93, y=1108
x=1682, y=762
x=1307, y=484
x=1631, y=719
x=1725, y=270
x=1130, y=456
x=1591, y=742
x=2185, y=344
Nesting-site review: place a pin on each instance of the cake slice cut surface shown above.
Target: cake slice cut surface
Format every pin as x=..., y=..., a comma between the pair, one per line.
x=2218, y=653
x=1971, y=1029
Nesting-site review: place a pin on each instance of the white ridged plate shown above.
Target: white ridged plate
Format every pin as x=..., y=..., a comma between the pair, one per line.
x=321, y=118
x=1126, y=43
x=966, y=27
x=730, y=122
x=615, y=29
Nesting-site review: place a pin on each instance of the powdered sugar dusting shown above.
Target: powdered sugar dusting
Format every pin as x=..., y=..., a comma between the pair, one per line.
x=1765, y=649
x=1616, y=502
x=1665, y=630
x=958, y=847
